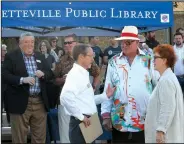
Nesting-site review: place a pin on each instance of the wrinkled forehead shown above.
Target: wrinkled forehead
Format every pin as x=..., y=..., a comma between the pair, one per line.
x=178, y=37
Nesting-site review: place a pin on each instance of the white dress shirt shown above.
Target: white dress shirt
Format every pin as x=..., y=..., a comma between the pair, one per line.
x=133, y=89
x=77, y=95
x=179, y=65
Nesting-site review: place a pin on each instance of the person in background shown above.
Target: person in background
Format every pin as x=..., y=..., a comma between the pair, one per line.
x=112, y=50
x=165, y=112
x=78, y=98
x=94, y=41
x=3, y=84
x=58, y=50
x=181, y=30
x=26, y=72
x=179, y=65
x=143, y=46
x=3, y=53
x=45, y=49
x=132, y=73
x=61, y=71
x=150, y=39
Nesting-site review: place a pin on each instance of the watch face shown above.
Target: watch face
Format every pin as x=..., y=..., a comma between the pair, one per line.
x=110, y=52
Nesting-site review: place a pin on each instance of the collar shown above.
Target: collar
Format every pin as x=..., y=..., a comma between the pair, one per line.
x=68, y=56
x=179, y=47
x=140, y=52
x=33, y=54
x=166, y=72
x=81, y=69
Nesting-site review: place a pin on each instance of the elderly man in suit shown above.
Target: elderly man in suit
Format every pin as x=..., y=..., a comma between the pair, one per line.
x=26, y=72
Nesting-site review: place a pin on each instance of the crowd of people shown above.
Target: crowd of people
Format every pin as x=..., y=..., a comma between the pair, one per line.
x=141, y=100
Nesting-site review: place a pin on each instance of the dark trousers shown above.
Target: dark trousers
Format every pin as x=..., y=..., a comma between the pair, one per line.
x=75, y=134
x=127, y=137
x=181, y=81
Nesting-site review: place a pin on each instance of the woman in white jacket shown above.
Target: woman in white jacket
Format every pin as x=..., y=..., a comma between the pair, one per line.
x=165, y=113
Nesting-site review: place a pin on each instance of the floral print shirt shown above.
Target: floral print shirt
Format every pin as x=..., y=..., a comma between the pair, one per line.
x=134, y=85
x=66, y=64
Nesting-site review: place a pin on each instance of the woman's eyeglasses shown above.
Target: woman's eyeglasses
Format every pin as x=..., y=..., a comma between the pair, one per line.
x=69, y=42
x=91, y=56
x=155, y=57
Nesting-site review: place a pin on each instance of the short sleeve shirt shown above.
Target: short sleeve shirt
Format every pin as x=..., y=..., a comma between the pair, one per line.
x=110, y=51
x=97, y=54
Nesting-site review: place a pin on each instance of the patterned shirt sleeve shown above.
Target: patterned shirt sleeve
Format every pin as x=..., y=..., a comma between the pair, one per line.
x=94, y=70
x=58, y=69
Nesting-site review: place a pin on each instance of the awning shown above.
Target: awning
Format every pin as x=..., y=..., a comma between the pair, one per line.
x=47, y=18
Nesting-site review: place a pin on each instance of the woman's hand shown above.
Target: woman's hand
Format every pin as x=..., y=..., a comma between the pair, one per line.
x=160, y=137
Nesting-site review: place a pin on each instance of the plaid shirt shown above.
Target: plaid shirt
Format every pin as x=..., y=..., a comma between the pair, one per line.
x=31, y=67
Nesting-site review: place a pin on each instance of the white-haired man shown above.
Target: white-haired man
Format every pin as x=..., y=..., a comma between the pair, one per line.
x=25, y=72
x=133, y=75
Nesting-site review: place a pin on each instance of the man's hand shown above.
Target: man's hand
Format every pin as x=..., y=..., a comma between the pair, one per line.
x=86, y=121
x=107, y=124
x=39, y=73
x=60, y=81
x=160, y=137
x=110, y=91
x=29, y=80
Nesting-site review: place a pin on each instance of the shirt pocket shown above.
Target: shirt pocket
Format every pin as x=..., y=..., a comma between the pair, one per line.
x=85, y=88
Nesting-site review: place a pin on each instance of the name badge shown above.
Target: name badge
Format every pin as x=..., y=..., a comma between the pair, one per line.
x=88, y=85
x=39, y=61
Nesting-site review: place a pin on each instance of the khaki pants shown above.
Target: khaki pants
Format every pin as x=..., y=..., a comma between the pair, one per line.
x=35, y=116
x=63, y=120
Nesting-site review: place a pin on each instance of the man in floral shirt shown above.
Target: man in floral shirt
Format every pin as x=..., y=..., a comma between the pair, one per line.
x=133, y=74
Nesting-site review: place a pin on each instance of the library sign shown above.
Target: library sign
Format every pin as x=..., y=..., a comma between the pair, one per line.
x=86, y=13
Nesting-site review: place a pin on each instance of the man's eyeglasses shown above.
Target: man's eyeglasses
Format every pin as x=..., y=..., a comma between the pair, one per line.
x=128, y=42
x=69, y=42
x=155, y=57
x=91, y=56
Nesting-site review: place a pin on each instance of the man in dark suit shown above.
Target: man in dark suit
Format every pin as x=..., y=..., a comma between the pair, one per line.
x=26, y=72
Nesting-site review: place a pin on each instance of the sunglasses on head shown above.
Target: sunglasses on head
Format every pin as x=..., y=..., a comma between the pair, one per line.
x=69, y=42
x=128, y=42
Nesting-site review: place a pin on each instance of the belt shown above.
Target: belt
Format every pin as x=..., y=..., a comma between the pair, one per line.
x=35, y=95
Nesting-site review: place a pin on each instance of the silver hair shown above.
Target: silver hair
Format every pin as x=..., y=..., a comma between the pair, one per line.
x=26, y=34
x=4, y=46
